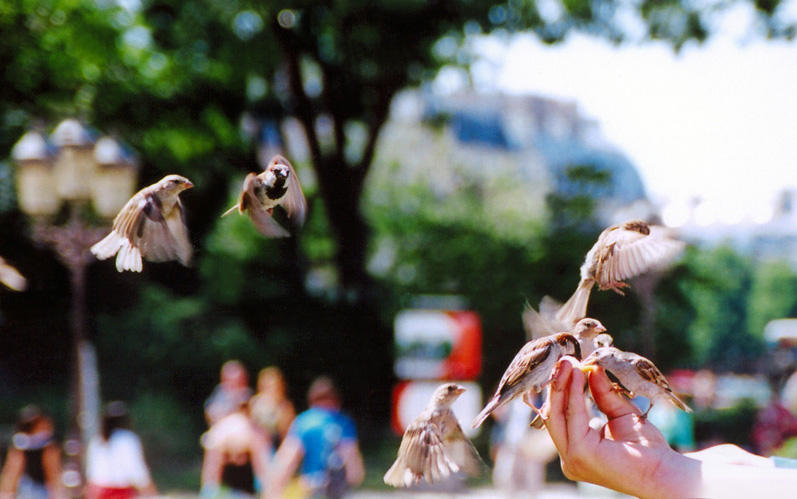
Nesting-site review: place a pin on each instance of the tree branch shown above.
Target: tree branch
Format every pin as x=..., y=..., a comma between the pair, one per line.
x=303, y=107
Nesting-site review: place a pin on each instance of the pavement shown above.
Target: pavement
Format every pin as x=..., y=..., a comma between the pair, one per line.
x=549, y=492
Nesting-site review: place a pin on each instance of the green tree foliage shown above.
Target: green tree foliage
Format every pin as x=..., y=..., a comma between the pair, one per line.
x=773, y=295
x=174, y=78
x=719, y=286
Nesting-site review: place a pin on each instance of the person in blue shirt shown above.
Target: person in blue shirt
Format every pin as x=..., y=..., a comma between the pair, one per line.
x=322, y=444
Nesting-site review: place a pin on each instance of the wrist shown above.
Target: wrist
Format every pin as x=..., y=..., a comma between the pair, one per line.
x=674, y=477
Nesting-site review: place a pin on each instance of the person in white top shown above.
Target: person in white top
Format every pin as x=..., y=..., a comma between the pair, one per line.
x=115, y=465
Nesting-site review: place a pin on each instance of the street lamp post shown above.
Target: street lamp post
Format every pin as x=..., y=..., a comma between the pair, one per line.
x=71, y=168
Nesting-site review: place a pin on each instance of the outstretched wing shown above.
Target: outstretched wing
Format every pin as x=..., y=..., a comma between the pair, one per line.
x=628, y=253
x=422, y=455
x=294, y=202
x=460, y=448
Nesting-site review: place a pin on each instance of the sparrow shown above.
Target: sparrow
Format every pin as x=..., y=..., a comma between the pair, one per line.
x=150, y=225
x=621, y=252
x=603, y=340
x=586, y=331
x=11, y=277
x=635, y=374
x=530, y=371
x=260, y=194
x=433, y=446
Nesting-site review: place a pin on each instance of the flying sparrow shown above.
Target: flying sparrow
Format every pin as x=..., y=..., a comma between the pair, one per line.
x=635, y=374
x=260, y=194
x=621, y=252
x=150, y=225
x=11, y=277
x=530, y=371
x=434, y=446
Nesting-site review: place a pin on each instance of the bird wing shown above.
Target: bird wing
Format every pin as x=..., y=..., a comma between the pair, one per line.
x=158, y=236
x=536, y=324
x=529, y=357
x=11, y=277
x=421, y=454
x=249, y=203
x=628, y=253
x=245, y=198
x=460, y=448
x=294, y=202
x=649, y=372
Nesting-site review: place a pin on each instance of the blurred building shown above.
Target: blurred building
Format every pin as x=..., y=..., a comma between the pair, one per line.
x=536, y=141
x=769, y=233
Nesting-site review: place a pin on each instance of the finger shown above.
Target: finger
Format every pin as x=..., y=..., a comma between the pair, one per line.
x=577, y=416
x=555, y=414
x=607, y=399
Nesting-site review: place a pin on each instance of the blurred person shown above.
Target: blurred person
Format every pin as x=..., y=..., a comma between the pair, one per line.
x=230, y=393
x=32, y=469
x=521, y=453
x=115, y=464
x=774, y=424
x=270, y=408
x=677, y=426
x=788, y=395
x=235, y=463
x=323, y=441
x=630, y=455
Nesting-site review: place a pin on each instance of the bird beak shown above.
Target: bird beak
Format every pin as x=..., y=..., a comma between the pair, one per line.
x=459, y=390
x=600, y=329
x=188, y=184
x=587, y=368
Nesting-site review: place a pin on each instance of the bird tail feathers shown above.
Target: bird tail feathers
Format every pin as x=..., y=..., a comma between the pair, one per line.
x=230, y=211
x=128, y=258
x=680, y=403
x=490, y=407
x=399, y=475
x=108, y=246
x=575, y=308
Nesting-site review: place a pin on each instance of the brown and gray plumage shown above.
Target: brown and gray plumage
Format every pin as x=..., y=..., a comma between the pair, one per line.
x=636, y=375
x=621, y=252
x=530, y=371
x=260, y=194
x=151, y=225
x=11, y=278
x=586, y=331
x=434, y=446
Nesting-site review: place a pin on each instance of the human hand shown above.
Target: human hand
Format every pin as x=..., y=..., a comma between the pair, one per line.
x=627, y=454
x=730, y=454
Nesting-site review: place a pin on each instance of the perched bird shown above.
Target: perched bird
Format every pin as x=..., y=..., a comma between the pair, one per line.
x=635, y=374
x=530, y=371
x=603, y=340
x=150, y=225
x=260, y=194
x=621, y=252
x=434, y=446
x=586, y=331
x=11, y=277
